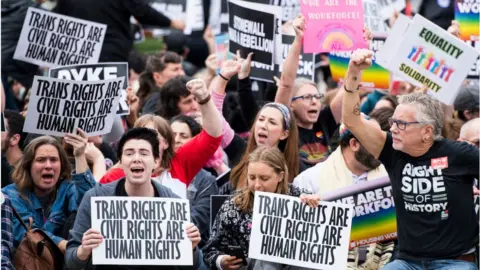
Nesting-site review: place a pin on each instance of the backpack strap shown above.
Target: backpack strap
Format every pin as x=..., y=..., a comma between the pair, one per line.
x=19, y=218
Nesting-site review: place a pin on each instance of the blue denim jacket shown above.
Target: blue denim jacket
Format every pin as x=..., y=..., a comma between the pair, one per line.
x=69, y=196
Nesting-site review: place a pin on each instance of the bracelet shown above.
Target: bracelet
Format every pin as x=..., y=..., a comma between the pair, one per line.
x=204, y=101
x=351, y=91
x=223, y=77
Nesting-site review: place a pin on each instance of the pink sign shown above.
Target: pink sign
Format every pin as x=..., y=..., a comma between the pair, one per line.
x=333, y=25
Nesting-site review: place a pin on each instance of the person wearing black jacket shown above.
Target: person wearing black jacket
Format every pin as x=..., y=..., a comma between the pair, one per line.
x=116, y=15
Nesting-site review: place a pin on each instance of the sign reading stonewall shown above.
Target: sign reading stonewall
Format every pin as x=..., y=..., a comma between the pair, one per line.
x=141, y=231
x=374, y=218
x=425, y=54
x=97, y=72
x=49, y=40
x=287, y=231
x=254, y=29
x=58, y=107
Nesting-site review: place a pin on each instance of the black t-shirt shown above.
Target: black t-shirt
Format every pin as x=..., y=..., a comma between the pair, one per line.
x=434, y=199
x=315, y=143
x=121, y=192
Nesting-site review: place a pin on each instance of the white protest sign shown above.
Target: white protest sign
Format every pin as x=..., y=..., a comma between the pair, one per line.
x=287, y=231
x=49, y=39
x=97, y=72
x=428, y=55
x=189, y=11
x=58, y=107
x=388, y=7
x=141, y=231
x=373, y=19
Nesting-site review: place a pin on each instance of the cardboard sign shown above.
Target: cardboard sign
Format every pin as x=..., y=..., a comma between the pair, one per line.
x=49, y=39
x=427, y=55
x=141, y=231
x=287, y=231
x=374, y=217
x=97, y=72
x=373, y=77
x=58, y=107
x=333, y=25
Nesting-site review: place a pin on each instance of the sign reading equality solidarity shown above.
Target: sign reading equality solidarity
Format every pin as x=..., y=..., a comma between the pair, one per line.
x=425, y=54
x=372, y=77
x=58, y=107
x=141, y=231
x=252, y=30
x=374, y=217
x=333, y=25
x=49, y=40
x=287, y=231
x=97, y=72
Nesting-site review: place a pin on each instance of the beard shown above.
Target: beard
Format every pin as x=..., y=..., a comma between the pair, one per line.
x=366, y=159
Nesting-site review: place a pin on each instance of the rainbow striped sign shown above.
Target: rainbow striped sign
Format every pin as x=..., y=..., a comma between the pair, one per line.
x=375, y=218
x=373, y=77
x=467, y=14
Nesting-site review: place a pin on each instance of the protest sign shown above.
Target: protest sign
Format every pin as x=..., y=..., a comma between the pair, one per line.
x=474, y=72
x=287, y=231
x=253, y=29
x=290, y=9
x=190, y=11
x=49, y=39
x=372, y=18
x=374, y=217
x=221, y=49
x=306, y=67
x=333, y=25
x=428, y=55
x=141, y=231
x=467, y=14
x=388, y=7
x=58, y=107
x=97, y=72
x=373, y=77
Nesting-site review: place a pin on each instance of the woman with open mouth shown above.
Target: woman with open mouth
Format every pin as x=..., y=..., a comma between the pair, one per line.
x=45, y=188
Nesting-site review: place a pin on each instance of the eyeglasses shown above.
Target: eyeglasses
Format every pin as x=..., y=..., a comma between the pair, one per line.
x=402, y=125
x=309, y=97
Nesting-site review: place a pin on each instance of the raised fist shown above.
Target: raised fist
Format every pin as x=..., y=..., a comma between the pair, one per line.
x=198, y=88
x=360, y=59
x=299, y=25
x=230, y=68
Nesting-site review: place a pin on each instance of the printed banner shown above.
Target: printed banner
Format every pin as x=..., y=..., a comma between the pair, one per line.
x=97, y=72
x=290, y=9
x=306, y=67
x=287, y=231
x=221, y=49
x=49, y=39
x=190, y=11
x=374, y=217
x=252, y=30
x=468, y=16
x=373, y=77
x=388, y=7
x=428, y=55
x=141, y=231
x=373, y=19
x=333, y=25
x=58, y=107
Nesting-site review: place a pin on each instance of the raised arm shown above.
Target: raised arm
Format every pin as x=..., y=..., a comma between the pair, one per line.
x=285, y=87
x=369, y=134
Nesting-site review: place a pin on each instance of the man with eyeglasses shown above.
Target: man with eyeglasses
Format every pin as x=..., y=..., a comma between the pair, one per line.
x=431, y=177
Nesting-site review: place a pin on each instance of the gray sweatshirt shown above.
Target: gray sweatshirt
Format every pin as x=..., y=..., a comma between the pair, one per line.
x=83, y=223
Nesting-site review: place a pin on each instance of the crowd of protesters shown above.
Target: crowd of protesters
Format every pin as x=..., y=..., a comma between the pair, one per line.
x=193, y=132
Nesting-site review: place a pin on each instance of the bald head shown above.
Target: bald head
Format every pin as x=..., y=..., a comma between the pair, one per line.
x=470, y=131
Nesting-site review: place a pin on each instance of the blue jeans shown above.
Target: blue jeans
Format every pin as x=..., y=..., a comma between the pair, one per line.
x=430, y=265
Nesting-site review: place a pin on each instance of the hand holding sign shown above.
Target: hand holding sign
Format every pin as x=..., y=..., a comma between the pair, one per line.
x=178, y=24
x=299, y=25
x=246, y=65
x=311, y=200
x=78, y=141
x=230, y=68
x=361, y=59
x=133, y=101
x=367, y=35
x=193, y=234
x=198, y=88
x=91, y=239
x=454, y=29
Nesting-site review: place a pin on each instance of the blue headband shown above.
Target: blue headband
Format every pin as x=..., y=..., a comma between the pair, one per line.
x=284, y=110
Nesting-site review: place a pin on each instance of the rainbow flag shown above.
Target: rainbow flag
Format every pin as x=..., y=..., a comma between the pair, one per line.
x=468, y=17
x=373, y=77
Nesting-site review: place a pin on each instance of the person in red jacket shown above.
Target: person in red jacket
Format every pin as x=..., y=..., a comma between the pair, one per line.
x=177, y=170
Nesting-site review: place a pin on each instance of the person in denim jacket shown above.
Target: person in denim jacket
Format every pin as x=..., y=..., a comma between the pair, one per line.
x=45, y=188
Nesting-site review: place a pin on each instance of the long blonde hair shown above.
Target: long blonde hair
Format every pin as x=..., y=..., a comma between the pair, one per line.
x=273, y=158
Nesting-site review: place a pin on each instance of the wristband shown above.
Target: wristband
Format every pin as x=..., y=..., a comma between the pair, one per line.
x=351, y=91
x=220, y=74
x=205, y=100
